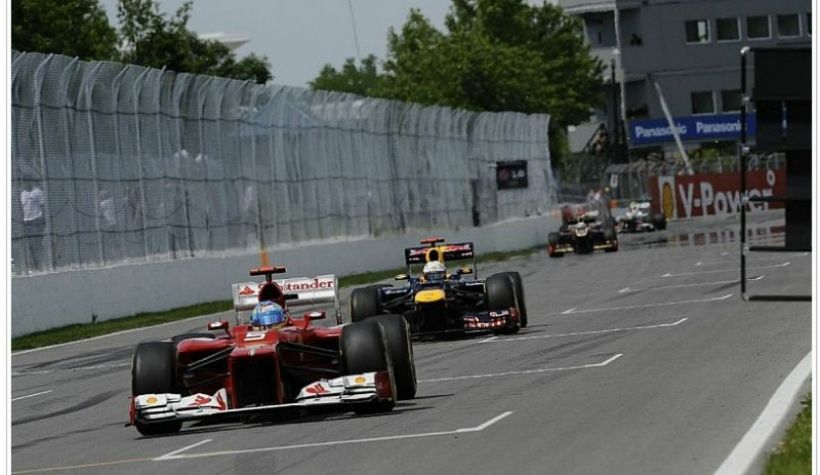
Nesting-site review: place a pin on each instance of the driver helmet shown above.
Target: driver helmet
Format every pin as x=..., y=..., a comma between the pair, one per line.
x=434, y=271
x=267, y=314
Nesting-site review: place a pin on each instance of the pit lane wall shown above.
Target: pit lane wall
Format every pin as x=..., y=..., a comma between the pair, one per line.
x=51, y=300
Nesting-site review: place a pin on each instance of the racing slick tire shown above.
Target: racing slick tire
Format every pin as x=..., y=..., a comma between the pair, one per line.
x=364, y=348
x=185, y=336
x=611, y=235
x=519, y=295
x=499, y=293
x=364, y=303
x=153, y=370
x=659, y=220
x=397, y=332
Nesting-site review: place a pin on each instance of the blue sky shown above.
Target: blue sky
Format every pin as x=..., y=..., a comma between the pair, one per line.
x=300, y=36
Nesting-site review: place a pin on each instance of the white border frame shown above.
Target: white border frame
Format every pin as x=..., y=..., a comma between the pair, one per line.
x=708, y=32
x=761, y=38
x=739, y=30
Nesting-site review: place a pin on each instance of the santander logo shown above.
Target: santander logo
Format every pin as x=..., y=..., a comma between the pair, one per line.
x=247, y=291
x=307, y=285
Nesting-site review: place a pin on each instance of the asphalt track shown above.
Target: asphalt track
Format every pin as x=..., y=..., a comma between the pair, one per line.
x=641, y=361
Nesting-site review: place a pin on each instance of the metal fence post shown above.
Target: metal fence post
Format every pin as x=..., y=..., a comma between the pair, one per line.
x=67, y=144
x=200, y=108
x=43, y=163
x=136, y=90
x=115, y=96
x=89, y=90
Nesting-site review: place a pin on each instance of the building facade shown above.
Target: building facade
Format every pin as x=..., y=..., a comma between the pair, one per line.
x=688, y=52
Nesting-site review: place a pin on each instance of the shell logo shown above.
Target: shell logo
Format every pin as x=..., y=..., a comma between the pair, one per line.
x=359, y=380
x=151, y=400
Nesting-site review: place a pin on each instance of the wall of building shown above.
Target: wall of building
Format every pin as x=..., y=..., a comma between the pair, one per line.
x=44, y=301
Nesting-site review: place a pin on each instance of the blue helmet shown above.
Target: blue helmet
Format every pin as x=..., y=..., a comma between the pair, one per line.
x=267, y=314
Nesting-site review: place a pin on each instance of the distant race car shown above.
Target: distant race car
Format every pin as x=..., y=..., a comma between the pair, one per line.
x=582, y=232
x=279, y=364
x=639, y=218
x=438, y=302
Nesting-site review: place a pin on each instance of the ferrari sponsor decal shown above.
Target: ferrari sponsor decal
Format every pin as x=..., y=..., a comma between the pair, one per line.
x=202, y=399
x=360, y=380
x=317, y=388
x=151, y=400
x=220, y=400
x=247, y=291
x=306, y=284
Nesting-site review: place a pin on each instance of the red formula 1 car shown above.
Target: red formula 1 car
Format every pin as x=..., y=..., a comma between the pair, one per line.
x=294, y=367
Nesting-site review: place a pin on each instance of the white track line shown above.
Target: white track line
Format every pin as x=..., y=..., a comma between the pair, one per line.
x=590, y=332
x=176, y=455
x=573, y=311
x=526, y=371
x=684, y=274
x=741, y=459
x=170, y=455
x=699, y=284
x=488, y=340
x=31, y=395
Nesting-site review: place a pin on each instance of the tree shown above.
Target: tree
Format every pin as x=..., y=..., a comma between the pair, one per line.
x=153, y=40
x=69, y=27
x=364, y=80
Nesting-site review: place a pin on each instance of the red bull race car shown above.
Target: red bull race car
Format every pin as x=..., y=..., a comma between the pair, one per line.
x=437, y=302
x=279, y=363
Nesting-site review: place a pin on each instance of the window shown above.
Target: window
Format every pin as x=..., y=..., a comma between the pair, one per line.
x=757, y=28
x=703, y=103
x=728, y=29
x=731, y=100
x=697, y=31
x=788, y=26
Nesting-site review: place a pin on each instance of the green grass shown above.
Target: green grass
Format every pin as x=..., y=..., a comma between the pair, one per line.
x=793, y=455
x=81, y=331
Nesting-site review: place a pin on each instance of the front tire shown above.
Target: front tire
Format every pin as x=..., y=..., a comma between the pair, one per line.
x=364, y=349
x=397, y=332
x=153, y=371
x=519, y=296
x=499, y=294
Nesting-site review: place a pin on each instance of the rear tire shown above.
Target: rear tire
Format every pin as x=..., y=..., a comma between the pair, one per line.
x=153, y=371
x=364, y=303
x=364, y=349
x=659, y=221
x=397, y=332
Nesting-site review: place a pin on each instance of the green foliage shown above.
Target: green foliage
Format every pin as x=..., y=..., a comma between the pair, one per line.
x=363, y=80
x=793, y=455
x=153, y=40
x=69, y=27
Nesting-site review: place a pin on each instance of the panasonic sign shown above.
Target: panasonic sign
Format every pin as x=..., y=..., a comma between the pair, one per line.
x=698, y=128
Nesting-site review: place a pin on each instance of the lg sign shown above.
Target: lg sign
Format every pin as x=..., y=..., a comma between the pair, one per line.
x=713, y=194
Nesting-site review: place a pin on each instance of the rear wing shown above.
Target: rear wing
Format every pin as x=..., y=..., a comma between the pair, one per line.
x=450, y=252
x=299, y=292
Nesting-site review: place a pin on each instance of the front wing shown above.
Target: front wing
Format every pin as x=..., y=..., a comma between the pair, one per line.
x=342, y=393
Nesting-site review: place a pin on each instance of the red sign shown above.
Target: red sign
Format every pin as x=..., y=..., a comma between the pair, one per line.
x=713, y=194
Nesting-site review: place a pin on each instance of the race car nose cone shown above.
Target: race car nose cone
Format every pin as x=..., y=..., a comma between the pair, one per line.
x=429, y=296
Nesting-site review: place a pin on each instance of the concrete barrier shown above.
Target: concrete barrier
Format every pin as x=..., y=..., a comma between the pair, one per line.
x=45, y=301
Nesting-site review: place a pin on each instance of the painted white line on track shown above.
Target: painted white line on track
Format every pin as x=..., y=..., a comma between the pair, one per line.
x=477, y=428
x=31, y=395
x=741, y=459
x=525, y=371
x=179, y=451
x=107, y=335
x=699, y=284
x=573, y=311
x=590, y=332
x=78, y=368
x=487, y=340
x=684, y=274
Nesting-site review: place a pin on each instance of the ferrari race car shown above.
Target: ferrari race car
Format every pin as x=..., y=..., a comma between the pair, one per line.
x=437, y=302
x=639, y=218
x=581, y=232
x=292, y=367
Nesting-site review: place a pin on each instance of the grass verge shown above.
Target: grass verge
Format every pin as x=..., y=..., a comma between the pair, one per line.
x=793, y=455
x=82, y=331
